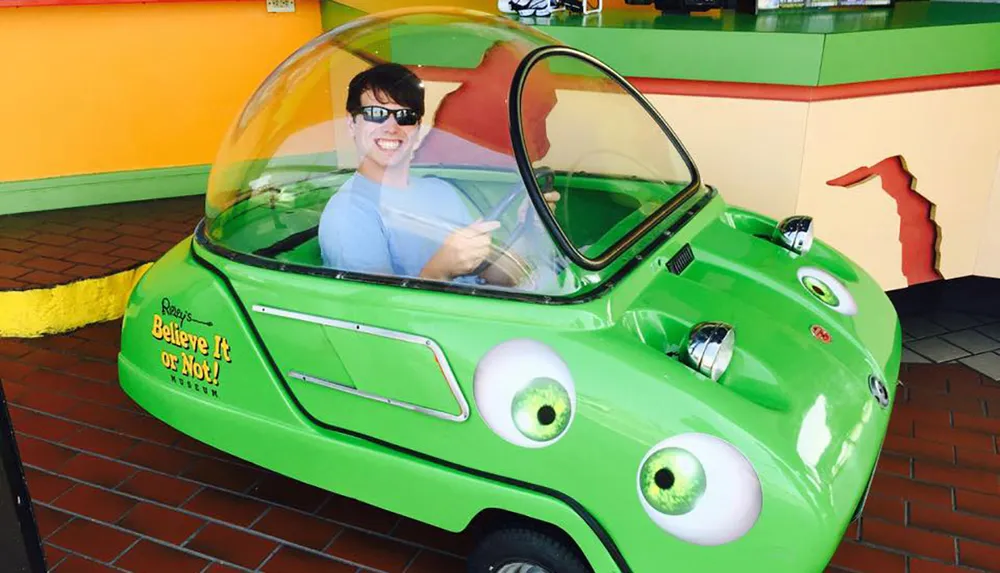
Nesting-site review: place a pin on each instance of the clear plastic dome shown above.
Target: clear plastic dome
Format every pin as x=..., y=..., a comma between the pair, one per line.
x=392, y=148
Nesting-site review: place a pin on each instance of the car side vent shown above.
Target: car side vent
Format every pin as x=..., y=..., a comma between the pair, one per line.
x=681, y=260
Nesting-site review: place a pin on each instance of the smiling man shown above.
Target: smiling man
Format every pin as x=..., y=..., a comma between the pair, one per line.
x=386, y=221
x=383, y=220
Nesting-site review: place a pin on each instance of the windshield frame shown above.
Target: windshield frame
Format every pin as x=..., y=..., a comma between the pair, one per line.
x=519, y=146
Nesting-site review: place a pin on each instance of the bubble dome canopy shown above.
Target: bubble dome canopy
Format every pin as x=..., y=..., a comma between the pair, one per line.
x=380, y=141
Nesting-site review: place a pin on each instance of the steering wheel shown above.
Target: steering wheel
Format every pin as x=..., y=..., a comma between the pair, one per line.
x=546, y=178
x=494, y=215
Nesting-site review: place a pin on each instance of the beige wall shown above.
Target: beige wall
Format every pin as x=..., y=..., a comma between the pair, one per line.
x=777, y=157
x=988, y=262
x=750, y=149
x=949, y=140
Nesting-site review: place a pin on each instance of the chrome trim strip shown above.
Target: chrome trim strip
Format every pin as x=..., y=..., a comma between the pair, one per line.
x=376, y=397
x=385, y=333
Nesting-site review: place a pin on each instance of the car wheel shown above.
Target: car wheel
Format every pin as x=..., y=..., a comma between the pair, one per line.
x=524, y=551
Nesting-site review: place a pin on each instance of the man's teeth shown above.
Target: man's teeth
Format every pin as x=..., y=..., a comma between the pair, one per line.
x=387, y=144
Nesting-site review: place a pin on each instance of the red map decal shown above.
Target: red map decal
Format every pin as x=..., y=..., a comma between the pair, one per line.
x=918, y=233
x=466, y=123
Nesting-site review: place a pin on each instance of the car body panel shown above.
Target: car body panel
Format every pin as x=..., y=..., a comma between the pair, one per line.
x=249, y=414
x=813, y=441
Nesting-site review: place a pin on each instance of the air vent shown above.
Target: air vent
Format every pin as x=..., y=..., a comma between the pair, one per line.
x=681, y=260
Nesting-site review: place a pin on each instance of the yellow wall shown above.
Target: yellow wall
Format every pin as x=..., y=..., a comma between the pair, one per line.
x=91, y=89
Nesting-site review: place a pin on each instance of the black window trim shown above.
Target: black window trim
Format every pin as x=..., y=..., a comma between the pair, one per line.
x=527, y=172
x=256, y=260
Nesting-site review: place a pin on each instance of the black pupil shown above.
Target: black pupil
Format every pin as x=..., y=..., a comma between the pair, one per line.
x=817, y=289
x=664, y=479
x=546, y=415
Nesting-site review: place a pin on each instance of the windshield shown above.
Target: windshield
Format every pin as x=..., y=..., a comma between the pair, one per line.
x=614, y=165
x=382, y=151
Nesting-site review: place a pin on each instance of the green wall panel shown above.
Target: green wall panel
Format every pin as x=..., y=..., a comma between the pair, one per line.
x=681, y=54
x=903, y=53
x=803, y=48
x=777, y=58
x=437, y=46
x=102, y=188
x=333, y=14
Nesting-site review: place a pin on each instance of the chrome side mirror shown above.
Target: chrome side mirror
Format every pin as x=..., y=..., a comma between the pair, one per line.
x=710, y=348
x=795, y=233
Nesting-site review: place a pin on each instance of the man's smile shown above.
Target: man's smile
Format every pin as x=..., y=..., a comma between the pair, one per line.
x=388, y=144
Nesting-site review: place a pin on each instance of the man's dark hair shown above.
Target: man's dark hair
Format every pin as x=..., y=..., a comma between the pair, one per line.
x=392, y=80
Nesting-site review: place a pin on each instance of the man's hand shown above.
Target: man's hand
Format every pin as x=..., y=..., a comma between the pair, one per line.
x=461, y=252
x=551, y=198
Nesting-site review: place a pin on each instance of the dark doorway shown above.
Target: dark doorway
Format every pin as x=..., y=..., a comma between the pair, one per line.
x=19, y=543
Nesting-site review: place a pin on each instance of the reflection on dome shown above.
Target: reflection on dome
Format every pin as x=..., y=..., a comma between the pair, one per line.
x=383, y=150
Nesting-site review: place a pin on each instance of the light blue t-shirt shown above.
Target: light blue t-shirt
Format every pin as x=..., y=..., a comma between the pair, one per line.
x=371, y=228
x=374, y=228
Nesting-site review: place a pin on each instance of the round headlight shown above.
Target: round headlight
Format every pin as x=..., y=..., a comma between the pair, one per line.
x=710, y=348
x=878, y=390
x=795, y=233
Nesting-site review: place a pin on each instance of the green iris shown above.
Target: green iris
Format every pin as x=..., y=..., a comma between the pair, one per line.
x=820, y=290
x=541, y=410
x=672, y=481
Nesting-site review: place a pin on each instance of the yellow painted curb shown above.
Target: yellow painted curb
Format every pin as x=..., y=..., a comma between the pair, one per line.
x=38, y=312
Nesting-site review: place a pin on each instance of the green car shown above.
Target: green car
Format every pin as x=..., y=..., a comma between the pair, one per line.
x=454, y=269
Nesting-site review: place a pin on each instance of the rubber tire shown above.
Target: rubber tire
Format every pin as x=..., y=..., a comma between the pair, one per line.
x=519, y=544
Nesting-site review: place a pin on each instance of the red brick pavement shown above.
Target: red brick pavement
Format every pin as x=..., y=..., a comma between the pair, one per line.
x=116, y=490
x=56, y=247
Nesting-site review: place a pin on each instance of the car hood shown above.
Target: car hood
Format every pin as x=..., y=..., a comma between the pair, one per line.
x=806, y=363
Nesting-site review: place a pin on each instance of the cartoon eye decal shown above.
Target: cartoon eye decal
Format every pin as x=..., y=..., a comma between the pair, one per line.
x=525, y=393
x=820, y=290
x=541, y=409
x=700, y=489
x=828, y=290
x=672, y=481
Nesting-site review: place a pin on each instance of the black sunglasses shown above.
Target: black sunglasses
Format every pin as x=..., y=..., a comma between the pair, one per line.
x=378, y=114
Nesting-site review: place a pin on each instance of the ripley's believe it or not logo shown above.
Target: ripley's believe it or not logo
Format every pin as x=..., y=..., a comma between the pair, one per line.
x=189, y=364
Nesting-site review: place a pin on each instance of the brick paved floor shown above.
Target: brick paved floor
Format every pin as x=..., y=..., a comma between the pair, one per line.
x=57, y=247
x=114, y=488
